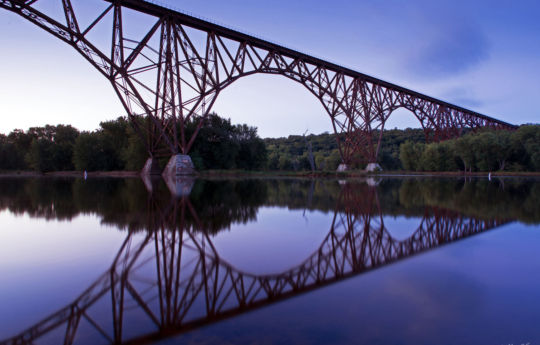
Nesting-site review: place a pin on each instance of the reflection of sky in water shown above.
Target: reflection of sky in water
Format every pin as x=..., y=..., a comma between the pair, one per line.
x=401, y=227
x=46, y=265
x=482, y=290
x=278, y=241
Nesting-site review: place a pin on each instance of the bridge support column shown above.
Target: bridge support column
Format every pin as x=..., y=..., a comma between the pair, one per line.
x=151, y=167
x=373, y=167
x=179, y=165
x=343, y=167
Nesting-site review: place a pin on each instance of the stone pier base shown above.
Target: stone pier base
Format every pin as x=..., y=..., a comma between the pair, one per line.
x=373, y=167
x=179, y=165
x=151, y=167
x=342, y=167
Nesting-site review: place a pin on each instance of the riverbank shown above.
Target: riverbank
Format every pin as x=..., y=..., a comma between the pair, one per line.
x=70, y=174
x=244, y=173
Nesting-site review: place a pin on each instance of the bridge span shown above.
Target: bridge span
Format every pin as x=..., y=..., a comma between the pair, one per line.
x=169, y=77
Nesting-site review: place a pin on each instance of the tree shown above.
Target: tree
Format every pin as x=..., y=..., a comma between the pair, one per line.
x=285, y=163
x=214, y=143
x=410, y=155
x=116, y=139
x=273, y=161
x=134, y=154
x=87, y=154
x=64, y=138
x=333, y=161
x=464, y=149
x=40, y=156
x=526, y=145
x=252, y=153
x=431, y=159
x=9, y=156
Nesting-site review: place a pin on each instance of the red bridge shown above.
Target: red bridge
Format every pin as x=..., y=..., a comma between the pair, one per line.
x=172, y=74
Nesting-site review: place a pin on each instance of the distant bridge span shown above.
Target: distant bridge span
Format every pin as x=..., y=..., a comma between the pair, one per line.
x=173, y=73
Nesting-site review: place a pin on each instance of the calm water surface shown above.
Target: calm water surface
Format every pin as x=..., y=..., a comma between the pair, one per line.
x=278, y=261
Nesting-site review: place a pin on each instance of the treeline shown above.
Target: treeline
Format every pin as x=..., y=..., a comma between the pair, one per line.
x=292, y=152
x=116, y=146
x=407, y=150
x=222, y=145
x=485, y=151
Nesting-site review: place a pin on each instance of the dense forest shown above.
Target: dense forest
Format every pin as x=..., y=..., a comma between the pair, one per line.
x=292, y=153
x=116, y=146
x=222, y=145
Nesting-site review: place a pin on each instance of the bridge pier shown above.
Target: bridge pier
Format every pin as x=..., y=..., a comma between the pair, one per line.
x=165, y=102
x=373, y=167
x=179, y=165
x=343, y=167
x=151, y=167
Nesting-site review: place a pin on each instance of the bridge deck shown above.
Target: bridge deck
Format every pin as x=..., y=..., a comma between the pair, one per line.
x=159, y=11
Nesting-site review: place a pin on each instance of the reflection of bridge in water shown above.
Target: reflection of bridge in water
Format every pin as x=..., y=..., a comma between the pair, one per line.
x=172, y=280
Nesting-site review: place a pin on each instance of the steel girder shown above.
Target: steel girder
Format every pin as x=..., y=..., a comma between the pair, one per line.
x=172, y=74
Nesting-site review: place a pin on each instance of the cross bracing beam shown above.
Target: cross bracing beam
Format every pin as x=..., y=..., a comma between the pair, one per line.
x=158, y=11
x=173, y=74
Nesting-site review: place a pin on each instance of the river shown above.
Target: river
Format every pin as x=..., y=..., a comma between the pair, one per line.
x=270, y=261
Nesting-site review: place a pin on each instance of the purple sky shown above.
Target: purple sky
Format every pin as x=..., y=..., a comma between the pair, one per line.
x=482, y=55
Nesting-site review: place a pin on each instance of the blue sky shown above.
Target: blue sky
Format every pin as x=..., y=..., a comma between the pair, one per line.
x=483, y=55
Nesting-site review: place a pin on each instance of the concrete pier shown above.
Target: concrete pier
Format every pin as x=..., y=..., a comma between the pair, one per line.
x=151, y=167
x=373, y=167
x=179, y=165
x=342, y=167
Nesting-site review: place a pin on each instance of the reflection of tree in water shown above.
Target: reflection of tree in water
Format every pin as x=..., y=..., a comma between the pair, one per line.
x=125, y=203
x=510, y=198
x=162, y=282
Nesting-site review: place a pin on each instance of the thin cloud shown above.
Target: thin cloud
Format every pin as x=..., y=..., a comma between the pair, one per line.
x=450, y=52
x=464, y=97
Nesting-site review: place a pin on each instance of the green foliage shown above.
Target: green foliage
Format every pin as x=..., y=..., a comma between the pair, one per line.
x=437, y=157
x=526, y=145
x=9, y=157
x=134, y=154
x=410, y=155
x=222, y=145
x=292, y=153
x=294, y=149
x=51, y=148
x=87, y=155
x=39, y=157
x=484, y=151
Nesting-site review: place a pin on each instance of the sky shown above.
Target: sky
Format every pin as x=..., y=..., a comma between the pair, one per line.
x=482, y=55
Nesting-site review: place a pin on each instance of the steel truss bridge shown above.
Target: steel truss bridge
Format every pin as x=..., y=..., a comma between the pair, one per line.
x=173, y=72
x=171, y=279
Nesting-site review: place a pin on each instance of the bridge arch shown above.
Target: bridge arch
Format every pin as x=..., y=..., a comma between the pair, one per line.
x=189, y=73
x=271, y=103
